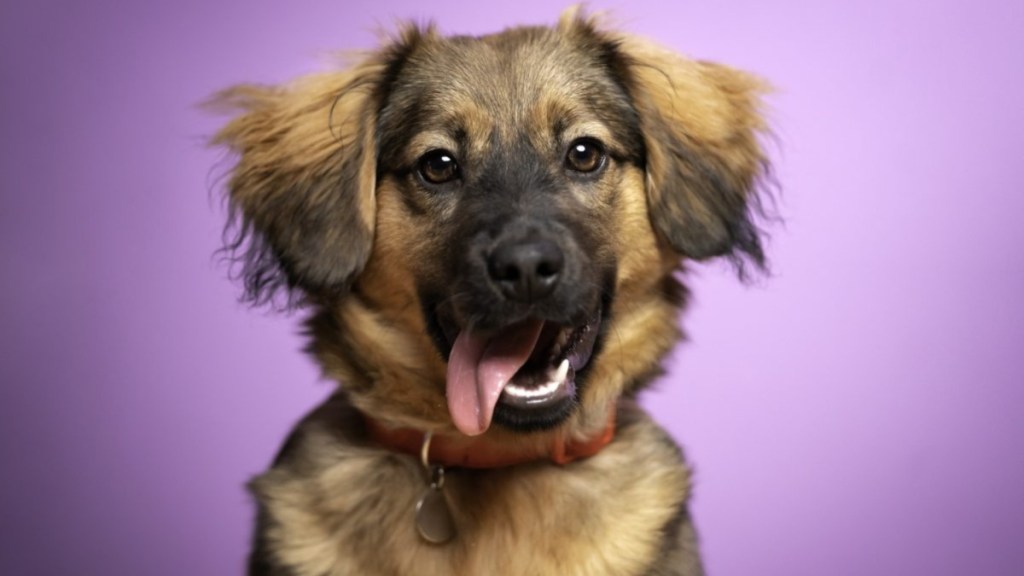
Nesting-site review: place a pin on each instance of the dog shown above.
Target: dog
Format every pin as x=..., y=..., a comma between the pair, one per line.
x=488, y=234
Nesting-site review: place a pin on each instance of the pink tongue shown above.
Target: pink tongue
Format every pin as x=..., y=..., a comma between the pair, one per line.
x=480, y=366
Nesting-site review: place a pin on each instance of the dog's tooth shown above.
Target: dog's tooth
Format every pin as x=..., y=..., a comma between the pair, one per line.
x=545, y=389
x=562, y=372
x=563, y=338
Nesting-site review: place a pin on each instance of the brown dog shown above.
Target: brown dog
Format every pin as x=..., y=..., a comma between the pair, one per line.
x=487, y=231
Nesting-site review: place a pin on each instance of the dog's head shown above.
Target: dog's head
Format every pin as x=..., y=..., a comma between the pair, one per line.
x=488, y=228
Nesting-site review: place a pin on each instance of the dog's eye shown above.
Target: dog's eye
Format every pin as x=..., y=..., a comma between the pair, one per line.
x=438, y=167
x=585, y=155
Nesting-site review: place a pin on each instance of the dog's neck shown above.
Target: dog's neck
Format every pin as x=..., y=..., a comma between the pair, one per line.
x=456, y=450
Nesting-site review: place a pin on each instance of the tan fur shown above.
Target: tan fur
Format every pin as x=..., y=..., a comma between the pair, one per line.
x=326, y=220
x=719, y=115
x=285, y=132
x=334, y=491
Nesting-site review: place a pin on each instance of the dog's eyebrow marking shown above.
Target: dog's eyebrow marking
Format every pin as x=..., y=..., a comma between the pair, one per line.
x=454, y=124
x=569, y=121
x=586, y=129
x=424, y=142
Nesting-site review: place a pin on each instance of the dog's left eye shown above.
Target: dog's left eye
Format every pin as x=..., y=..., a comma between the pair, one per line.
x=438, y=167
x=585, y=155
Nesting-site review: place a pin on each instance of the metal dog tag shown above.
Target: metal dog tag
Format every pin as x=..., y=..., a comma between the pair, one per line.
x=433, y=518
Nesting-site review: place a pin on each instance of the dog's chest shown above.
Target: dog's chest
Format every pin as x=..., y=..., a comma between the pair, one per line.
x=605, y=515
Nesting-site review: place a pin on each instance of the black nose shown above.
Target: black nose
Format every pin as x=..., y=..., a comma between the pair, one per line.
x=526, y=270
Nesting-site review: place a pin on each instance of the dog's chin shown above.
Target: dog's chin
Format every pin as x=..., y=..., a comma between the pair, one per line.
x=550, y=360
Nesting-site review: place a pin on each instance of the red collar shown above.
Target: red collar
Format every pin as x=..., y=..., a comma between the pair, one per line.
x=481, y=452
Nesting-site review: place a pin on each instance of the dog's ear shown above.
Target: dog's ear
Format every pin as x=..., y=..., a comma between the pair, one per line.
x=302, y=191
x=702, y=129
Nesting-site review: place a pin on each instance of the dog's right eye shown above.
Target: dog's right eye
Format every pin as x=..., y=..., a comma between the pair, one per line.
x=438, y=167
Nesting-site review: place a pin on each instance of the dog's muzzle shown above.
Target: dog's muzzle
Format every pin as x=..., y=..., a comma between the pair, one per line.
x=518, y=323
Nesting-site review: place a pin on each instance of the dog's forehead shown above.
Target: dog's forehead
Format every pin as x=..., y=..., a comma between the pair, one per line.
x=516, y=67
x=517, y=78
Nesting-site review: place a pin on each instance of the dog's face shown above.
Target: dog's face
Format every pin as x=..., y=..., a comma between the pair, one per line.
x=511, y=155
x=488, y=227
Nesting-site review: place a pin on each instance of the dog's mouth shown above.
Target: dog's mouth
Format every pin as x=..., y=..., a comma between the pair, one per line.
x=522, y=376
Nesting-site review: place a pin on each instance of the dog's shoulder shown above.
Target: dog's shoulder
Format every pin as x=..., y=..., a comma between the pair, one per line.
x=335, y=503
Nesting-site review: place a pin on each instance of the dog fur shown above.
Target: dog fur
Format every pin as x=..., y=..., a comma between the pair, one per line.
x=341, y=204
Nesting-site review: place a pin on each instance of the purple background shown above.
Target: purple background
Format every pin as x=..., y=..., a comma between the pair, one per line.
x=861, y=412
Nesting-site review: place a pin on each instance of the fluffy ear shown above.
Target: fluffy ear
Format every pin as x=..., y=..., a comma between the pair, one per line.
x=701, y=125
x=301, y=193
